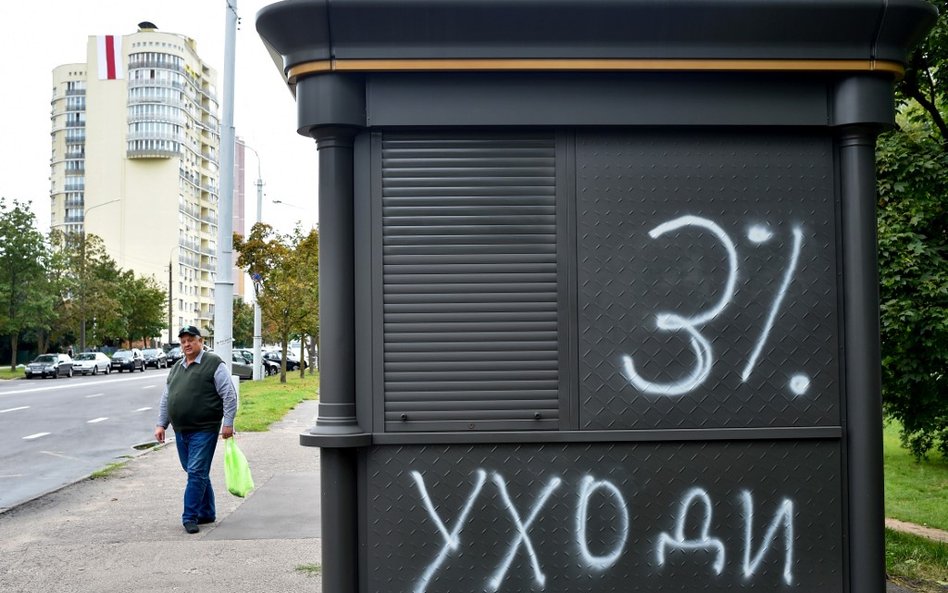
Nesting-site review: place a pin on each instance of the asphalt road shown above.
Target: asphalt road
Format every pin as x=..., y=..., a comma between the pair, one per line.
x=56, y=431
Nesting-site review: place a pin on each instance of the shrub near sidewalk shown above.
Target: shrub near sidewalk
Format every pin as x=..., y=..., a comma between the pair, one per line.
x=264, y=402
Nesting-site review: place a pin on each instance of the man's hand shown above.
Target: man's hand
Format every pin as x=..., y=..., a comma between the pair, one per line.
x=159, y=434
x=227, y=432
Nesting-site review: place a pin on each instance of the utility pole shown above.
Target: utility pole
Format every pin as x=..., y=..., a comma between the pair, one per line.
x=224, y=285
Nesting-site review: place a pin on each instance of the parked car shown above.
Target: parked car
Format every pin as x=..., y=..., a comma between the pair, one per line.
x=174, y=355
x=155, y=357
x=269, y=367
x=128, y=360
x=240, y=367
x=49, y=365
x=91, y=363
x=292, y=364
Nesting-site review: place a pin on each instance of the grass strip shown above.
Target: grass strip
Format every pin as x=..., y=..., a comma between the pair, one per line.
x=311, y=570
x=108, y=470
x=267, y=401
x=916, y=562
x=6, y=373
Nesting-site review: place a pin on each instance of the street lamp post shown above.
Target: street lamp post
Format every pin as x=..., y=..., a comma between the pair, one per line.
x=82, y=273
x=257, y=314
x=224, y=284
x=171, y=274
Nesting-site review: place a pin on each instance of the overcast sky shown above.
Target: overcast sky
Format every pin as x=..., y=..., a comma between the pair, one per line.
x=38, y=35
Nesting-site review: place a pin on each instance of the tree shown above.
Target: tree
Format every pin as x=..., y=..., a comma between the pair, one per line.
x=143, y=303
x=913, y=250
x=307, y=266
x=23, y=257
x=243, y=323
x=86, y=282
x=287, y=279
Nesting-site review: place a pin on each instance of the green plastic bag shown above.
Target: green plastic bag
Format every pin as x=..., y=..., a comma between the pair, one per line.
x=236, y=469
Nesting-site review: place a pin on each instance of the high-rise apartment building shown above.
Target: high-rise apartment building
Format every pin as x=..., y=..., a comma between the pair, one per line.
x=135, y=139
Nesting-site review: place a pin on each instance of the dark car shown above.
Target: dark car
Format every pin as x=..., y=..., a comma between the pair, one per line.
x=292, y=364
x=49, y=365
x=174, y=355
x=128, y=360
x=155, y=357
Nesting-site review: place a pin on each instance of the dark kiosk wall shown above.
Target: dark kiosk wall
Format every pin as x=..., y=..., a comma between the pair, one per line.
x=598, y=289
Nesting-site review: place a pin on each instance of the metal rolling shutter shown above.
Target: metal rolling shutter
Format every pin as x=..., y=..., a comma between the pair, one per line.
x=470, y=336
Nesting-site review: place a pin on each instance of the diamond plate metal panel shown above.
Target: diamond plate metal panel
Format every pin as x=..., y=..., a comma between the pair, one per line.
x=707, y=280
x=600, y=517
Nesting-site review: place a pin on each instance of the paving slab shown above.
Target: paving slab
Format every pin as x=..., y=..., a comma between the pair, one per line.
x=286, y=507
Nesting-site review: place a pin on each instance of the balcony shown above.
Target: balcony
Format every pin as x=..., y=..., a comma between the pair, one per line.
x=165, y=119
x=136, y=62
x=157, y=84
x=172, y=137
x=157, y=98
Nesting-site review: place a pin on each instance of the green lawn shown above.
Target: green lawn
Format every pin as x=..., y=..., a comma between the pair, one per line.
x=6, y=373
x=264, y=402
x=918, y=493
x=914, y=492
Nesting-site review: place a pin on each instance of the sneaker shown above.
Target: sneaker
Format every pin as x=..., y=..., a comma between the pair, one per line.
x=191, y=527
x=205, y=520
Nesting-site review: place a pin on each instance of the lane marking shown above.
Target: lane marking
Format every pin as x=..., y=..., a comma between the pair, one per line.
x=10, y=476
x=94, y=395
x=14, y=409
x=149, y=386
x=60, y=455
x=143, y=409
x=35, y=436
x=86, y=383
x=94, y=420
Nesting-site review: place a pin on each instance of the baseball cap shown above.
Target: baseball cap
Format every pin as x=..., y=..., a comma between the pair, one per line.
x=189, y=329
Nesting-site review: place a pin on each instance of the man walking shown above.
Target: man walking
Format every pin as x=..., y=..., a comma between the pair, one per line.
x=199, y=401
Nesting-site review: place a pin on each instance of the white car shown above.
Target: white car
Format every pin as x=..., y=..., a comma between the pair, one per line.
x=91, y=363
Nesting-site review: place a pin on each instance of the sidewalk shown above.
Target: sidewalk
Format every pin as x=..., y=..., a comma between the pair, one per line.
x=920, y=530
x=123, y=534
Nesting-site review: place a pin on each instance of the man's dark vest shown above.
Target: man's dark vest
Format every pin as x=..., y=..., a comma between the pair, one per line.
x=193, y=401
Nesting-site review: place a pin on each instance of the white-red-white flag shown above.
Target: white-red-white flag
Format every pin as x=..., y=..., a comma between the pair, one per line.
x=110, y=57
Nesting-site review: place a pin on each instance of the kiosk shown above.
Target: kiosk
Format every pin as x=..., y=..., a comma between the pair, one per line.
x=598, y=289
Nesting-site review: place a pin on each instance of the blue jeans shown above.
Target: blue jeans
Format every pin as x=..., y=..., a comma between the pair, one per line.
x=196, y=451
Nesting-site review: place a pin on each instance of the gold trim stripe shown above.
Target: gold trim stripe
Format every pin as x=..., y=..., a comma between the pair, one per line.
x=443, y=65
